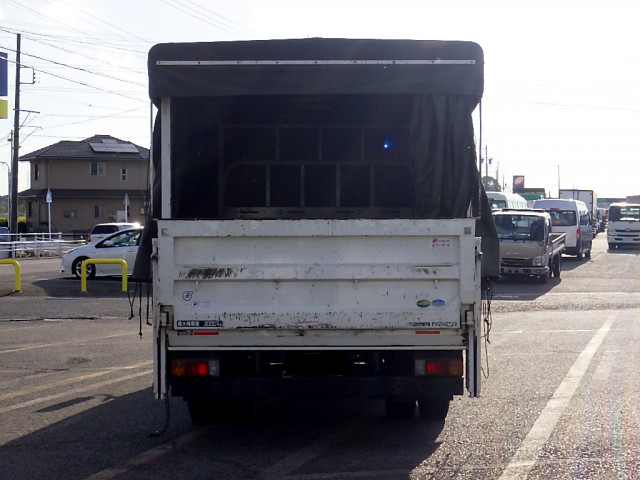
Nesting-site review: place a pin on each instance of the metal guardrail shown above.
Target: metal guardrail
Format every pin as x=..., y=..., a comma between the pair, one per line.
x=34, y=245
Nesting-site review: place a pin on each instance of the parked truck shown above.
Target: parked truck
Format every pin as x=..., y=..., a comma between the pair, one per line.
x=528, y=245
x=319, y=226
x=590, y=199
x=623, y=225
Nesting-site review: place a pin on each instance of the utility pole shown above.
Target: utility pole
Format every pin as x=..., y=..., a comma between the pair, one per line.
x=13, y=223
x=487, y=161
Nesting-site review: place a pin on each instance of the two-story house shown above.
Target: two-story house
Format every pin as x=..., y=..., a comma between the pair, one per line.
x=90, y=181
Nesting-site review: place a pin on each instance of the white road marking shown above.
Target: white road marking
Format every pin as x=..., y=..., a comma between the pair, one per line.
x=549, y=331
x=57, y=344
x=526, y=456
x=150, y=456
x=65, y=381
x=292, y=462
x=73, y=391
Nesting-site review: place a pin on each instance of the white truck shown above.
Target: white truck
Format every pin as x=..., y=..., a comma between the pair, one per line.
x=623, y=225
x=528, y=245
x=500, y=200
x=318, y=222
x=590, y=199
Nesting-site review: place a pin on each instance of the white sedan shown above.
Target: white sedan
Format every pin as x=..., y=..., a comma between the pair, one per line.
x=121, y=245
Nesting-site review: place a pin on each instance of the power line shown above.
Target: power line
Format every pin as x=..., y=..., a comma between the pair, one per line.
x=558, y=104
x=52, y=20
x=34, y=38
x=80, y=82
x=95, y=42
x=84, y=70
x=102, y=20
x=210, y=18
x=119, y=114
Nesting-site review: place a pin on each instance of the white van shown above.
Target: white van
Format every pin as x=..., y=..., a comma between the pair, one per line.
x=103, y=230
x=572, y=218
x=623, y=226
x=500, y=200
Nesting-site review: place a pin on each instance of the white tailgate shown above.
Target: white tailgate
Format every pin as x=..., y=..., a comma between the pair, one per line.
x=321, y=274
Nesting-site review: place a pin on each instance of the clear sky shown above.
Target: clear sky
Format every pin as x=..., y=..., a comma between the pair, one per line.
x=561, y=103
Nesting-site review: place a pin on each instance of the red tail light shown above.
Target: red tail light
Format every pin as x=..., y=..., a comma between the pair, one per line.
x=195, y=368
x=578, y=234
x=450, y=367
x=189, y=368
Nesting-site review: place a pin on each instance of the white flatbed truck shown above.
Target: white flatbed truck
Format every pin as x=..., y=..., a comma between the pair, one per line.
x=528, y=245
x=298, y=244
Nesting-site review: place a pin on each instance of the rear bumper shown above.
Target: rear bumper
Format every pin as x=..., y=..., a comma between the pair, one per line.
x=322, y=374
x=417, y=388
x=571, y=250
x=623, y=240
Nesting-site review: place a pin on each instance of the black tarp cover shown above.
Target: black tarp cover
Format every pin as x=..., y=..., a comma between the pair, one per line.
x=445, y=94
x=167, y=79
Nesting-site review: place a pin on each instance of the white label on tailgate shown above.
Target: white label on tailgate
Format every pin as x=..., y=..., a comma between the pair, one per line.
x=441, y=243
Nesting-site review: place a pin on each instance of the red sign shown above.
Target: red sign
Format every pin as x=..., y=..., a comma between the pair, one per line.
x=518, y=182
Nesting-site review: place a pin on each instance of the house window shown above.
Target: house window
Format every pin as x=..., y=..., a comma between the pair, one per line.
x=36, y=171
x=70, y=214
x=97, y=169
x=98, y=211
x=123, y=174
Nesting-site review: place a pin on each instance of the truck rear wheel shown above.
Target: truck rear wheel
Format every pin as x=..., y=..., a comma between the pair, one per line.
x=400, y=409
x=434, y=410
x=545, y=278
x=557, y=266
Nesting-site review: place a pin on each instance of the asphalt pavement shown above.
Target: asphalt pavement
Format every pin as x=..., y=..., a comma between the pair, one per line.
x=560, y=396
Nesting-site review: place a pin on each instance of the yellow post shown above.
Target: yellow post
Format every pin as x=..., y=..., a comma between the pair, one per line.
x=16, y=272
x=83, y=271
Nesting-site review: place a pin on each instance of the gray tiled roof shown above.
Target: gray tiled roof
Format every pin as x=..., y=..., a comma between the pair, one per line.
x=66, y=149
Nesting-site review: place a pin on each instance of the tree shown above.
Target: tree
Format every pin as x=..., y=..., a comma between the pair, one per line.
x=491, y=184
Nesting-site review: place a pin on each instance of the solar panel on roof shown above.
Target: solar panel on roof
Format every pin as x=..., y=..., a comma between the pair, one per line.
x=114, y=147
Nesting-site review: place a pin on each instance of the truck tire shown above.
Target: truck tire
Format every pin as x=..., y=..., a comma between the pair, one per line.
x=557, y=265
x=400, y=409
x=433, y=409
x=545, y=278
x=203, y=412
x=588, y=252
